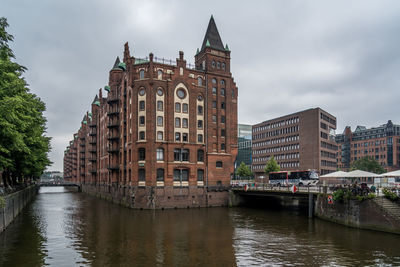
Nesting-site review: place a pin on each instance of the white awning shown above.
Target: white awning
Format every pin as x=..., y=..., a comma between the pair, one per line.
x=361, y=174
x=391, y=174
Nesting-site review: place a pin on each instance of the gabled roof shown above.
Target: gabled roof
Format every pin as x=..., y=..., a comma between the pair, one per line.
x=212, y=38
x=95, y=99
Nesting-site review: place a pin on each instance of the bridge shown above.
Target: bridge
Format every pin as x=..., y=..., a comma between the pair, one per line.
x=305, y=196
x=64, y=184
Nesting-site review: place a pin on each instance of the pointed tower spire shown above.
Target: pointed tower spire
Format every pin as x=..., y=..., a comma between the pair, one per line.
x=212, y=38
x=116, y=63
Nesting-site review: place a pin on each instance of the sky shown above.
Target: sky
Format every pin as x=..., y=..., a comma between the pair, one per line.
x=286, y=56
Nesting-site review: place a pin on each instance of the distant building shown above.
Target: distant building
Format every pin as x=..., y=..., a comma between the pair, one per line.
x=244, y=145
x=52, y=176
x=299, y=141
x=381, y=143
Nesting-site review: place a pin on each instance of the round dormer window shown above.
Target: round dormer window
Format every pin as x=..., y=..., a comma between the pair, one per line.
x=142, y=92
x=181, y=93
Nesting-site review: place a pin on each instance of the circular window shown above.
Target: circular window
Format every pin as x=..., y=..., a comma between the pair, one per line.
x=142, y=91
x=181, y=93
x=200, y=98
x=160, y=92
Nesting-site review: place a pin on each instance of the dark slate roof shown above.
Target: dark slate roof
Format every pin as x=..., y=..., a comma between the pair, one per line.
x=116, y=64
x=212, y=36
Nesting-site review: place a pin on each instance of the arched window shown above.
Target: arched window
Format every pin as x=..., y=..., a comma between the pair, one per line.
x=160, y=175
x=222, y=146
x=223, y=65
x=141, y=120
x=160, y=121
x=200, y=138
x=200, y=155
x=177, y=122
x=213, y=64
x=160, y=135
x=159, y=74
x=160, y=154
x=141, y=74
x=142, y=153
x=185, y=108
x=142, y=175
x=214, y=81
x=177, y=107
x=200, y=175
x=199, y=81
x=185, y=123
x=218, y=65
x=160, y=105
x=142, y=105
x=222, y=82
x=223, y=92
x=142, y=135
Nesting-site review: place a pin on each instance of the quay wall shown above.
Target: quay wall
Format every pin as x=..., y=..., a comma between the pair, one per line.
x=14, y=203
x=364, y=215
x=160, y=197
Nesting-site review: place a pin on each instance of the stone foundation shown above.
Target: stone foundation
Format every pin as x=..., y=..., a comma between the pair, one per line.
x=15, y=202
x=365, y=215
x=160, y=197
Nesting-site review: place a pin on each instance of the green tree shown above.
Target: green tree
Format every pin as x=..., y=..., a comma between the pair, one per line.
x=23, y=145
x=367, y=164
x=243, y=170
x=271, y=166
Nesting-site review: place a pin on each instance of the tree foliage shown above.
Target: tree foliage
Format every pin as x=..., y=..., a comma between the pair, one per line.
x=23, y=144
x=243, y=170
x=272, y=166
x=367, y=164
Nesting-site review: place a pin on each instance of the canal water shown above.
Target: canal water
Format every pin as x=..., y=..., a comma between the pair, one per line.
x=61, y=228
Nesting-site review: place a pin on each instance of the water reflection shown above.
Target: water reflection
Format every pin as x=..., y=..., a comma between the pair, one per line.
x=67, y=229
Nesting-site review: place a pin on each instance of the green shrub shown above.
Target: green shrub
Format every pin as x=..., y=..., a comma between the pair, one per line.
x=390, y=195
x=2, y=202
x=338, y=195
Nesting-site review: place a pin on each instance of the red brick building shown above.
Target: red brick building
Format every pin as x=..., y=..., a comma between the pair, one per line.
x=299, y=141
x=166, y=133
x=380, y=143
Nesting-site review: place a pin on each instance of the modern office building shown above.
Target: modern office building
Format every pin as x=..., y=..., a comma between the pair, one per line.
x=165, y=135
x=381, y=143
x=298, y=141
x=244, y=145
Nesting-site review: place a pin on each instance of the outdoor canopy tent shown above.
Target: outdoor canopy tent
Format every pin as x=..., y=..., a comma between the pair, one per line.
x=337, y=174
x=391, y=174
x=361, y=174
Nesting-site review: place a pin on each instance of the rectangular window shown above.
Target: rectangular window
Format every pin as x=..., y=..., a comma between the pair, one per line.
x=142, y=135
x=185, y=154
x=160, y=154
x=214, y=90
x=200, y=110
x=200, y=175
x=177, y=137
x=160, y=106
x=142, y=175
x=184, y=137
x=160, y=175
x=200, y=124
x=160, y=135
x=214, y=118
x=214, y=104
x=141, y=120
x=142, y=154
x=222, y=132
x=200, y=138
x=177, y=155
x=223, y=105
x=222, y=119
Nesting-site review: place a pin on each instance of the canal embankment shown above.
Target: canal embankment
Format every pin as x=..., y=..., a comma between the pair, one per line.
x=14, y=203
x=374, y=214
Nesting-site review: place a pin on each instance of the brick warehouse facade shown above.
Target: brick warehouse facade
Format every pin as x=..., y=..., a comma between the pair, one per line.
x=165, y=135
x=381, y=143
x=299, y=141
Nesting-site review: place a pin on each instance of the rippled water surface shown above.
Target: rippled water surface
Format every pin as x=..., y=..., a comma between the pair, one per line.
x=61, y=228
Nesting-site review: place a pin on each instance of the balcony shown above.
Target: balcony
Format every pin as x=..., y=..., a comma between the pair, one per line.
x=112, y=100
x=113, y=125
x=113, y=167
x=113, y=150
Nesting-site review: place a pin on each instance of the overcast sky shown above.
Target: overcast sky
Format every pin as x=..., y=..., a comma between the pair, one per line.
x=287, y=56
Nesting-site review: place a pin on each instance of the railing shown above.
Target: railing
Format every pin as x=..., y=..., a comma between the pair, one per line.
x=162, y=61
x=276, y=188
